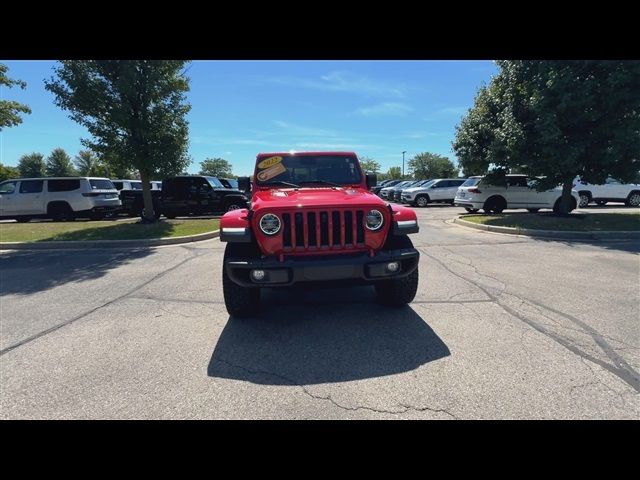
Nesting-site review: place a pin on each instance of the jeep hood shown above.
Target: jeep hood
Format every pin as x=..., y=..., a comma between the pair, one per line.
x=314, y=198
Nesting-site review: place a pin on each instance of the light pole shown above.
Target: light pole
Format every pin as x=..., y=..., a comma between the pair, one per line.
x=403, y=163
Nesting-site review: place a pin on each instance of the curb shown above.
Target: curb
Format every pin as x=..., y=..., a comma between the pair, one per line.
x=604, y=235
x=151, y=242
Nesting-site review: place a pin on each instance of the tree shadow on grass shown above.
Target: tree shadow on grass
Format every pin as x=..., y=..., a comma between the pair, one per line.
x=311, y=336
x=117, y=231
x=23, y=272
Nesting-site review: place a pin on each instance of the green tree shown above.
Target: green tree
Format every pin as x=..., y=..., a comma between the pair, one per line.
x=216, y=167
x=431, y=165
x=59, y=164
x=135, y=111
x=10, y=110
x=369, y=165
x=32, y=165
x=87, y=164
x=7, y=171
x=394, y=173
x=557, y=120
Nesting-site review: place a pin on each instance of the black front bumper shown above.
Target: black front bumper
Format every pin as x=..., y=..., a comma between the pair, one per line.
x=358, y=267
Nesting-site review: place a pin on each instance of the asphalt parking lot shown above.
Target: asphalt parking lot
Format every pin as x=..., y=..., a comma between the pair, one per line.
x=503, y=327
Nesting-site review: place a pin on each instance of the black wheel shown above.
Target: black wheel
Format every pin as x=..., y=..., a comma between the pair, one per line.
x=472, y=210
x=170, y=215
x=633, y=200
x=585, y=198
x=240, y=301
x=421, y=201
x=400, y=291
x=61, y=212
x=494, y=205
x=23, y=219
x=233, y=206
x=533, y=210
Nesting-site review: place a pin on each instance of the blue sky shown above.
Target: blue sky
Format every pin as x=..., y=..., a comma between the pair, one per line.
x=241, y=108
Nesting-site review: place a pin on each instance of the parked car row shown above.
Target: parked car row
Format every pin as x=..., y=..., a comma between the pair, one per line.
x=68, y=198
x=519, y=191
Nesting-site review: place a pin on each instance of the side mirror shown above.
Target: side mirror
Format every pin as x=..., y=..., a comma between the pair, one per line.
x=243, y=184
x=372, y=179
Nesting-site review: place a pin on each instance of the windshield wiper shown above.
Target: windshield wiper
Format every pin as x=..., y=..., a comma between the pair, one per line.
x=279, y=182
x=326, y=182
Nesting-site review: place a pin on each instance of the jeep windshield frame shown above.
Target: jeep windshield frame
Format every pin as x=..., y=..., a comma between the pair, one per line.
x=323, y=170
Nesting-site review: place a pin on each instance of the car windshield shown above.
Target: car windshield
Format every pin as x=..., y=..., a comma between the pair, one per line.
x=136, y=185
x=305, y=169
x=102, y=185
x=214, y=182
x=471, y=182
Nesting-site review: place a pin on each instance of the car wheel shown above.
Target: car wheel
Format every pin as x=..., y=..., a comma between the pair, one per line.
x=633, y=200
x=533, y=210
x=422, y=201
x=233, y=206
x=472, y=210
x=97, y=216
x=494, y=205
x=239, y=301
x=61, y=213
x=398, y=292
x=584, y=200
x=23, y=219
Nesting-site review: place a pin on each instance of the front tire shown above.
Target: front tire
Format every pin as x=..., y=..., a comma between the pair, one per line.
x=494, y=205
x=421, y=201
x=584, y=200
x=533, y=210
x=633, y=200
x=241, y=302
x=398, y=292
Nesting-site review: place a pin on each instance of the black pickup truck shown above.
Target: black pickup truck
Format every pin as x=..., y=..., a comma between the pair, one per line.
x=186, y=195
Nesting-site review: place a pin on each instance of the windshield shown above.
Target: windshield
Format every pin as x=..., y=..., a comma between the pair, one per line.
x=136, y=185
x=101, y=185
x=471, y=182
x=301, y=169
x=214, y=182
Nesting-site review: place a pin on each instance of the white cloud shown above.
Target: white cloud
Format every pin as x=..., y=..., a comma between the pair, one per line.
x=341, y=81
x=384, y=109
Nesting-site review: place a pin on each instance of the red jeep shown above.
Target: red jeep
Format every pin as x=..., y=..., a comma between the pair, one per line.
x=312, y=218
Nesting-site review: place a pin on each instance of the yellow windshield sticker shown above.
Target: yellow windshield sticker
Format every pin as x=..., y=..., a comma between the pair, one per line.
x=269, y=162
x=271, y=172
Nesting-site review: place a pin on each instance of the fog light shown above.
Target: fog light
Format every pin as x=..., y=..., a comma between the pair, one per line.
x=393, y=266
x=257, y=275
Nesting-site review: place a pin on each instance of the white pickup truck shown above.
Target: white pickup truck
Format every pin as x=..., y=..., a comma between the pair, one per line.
x=611, y=191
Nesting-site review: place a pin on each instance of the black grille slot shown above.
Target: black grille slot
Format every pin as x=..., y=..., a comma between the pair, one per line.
x=335, y=218
x=299, y=230
x=286, y=232
x=360, y=226
x=311, y=225
x=348, y=227
x=324, y=229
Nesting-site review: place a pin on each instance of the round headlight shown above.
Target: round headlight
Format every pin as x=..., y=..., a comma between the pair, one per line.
x=374, y=220
x=270, y=224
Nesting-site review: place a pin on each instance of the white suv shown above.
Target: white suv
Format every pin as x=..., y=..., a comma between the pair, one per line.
x=437, y=190
x=63, y=198
x=611, y=191
x=519, y=192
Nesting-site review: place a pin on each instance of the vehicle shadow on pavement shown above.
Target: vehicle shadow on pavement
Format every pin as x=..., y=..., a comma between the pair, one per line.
x=308, y=337
x=24, y=272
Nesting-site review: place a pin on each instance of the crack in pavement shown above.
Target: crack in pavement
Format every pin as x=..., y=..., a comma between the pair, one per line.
x=620, y=367
x=405, y=407
x=89, y=312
